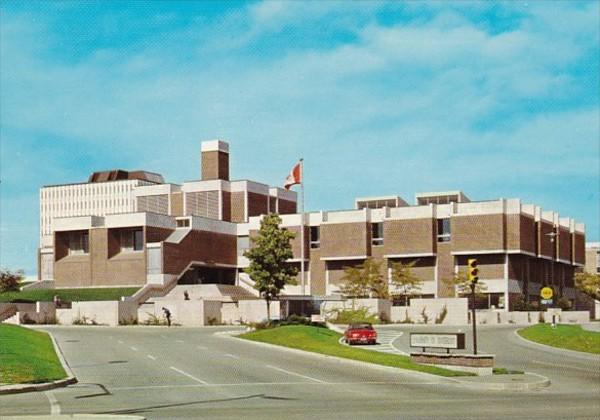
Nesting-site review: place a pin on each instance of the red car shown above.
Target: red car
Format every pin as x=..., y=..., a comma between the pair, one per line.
x=360, y=333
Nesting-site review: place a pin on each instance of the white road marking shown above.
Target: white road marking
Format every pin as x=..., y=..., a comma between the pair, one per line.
x=202, y=348
x=149, y=356
x=296, y=374
x=54, y=405
x=143, y=387
x=133, y=348
x=163, y=336
x=233, y=356
x=120, y=342
x=179, y=341
x=188, y=375
x=537, y=362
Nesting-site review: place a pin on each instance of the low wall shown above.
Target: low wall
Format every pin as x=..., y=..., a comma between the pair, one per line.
x=188, y=313
x=481, y=364
x=379, y=307
x=493, y=317
x=246, y=311
x=456, y=311
x=110, y=313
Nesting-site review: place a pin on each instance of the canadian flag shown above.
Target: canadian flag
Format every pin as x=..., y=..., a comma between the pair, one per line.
x=295, y=176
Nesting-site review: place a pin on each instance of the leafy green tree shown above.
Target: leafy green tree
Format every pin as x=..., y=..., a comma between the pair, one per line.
x=10, y=281
x=270, y=251
x=364, y=280
x=405, y=280
x=462, y=285
x=588, y=283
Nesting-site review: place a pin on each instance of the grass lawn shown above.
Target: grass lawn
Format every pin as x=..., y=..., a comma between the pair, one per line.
x=324, y=341
x=571, y=337
x=69, y=295
x=27, y=356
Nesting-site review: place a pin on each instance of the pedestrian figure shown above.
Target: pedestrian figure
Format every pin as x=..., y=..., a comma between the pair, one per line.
x=167, y=315
x=186, y=296
x=56, y=301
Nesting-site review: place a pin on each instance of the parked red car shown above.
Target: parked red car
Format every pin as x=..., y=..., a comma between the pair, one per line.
x=360, y=333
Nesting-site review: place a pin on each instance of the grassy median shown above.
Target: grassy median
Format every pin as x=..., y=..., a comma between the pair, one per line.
x=571, y=337
x=27, y=356
x=69, y=295
x=324, y=341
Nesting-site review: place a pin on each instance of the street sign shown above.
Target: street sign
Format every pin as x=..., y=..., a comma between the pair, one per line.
x=546, y=301
x=438, y=340
x=546, y=293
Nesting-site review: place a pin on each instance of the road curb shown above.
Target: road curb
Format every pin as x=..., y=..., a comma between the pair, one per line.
x=507, y=386
x=45, y=386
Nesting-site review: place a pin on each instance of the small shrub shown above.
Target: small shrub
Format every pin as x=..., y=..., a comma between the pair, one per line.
x=348, y=316
x=213, y=321
x=383, y=318
x=10, y=281
x=128, y=321
x=442, y=315
x=424, y=315
x=564, y=303
x=25, y=319
x=154, y=320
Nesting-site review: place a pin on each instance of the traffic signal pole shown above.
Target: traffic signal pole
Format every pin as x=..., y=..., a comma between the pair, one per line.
x=473, y=318
x=473, y=276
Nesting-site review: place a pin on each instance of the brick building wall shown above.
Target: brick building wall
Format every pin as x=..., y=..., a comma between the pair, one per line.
x=480, y=232
x=411, y=236
x=238, y=207
x=344, y=239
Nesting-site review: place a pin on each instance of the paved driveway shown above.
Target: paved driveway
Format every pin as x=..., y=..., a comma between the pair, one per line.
x=193, y=373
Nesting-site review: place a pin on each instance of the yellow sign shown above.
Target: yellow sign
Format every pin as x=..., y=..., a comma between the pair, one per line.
x=546, y=293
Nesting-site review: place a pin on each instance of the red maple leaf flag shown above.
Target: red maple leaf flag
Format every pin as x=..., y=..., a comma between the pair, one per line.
x=295, y=176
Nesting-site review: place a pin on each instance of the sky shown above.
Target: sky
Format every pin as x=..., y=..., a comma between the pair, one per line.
x=497, y=99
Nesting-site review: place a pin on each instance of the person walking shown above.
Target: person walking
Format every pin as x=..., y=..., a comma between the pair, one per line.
x=167, y=315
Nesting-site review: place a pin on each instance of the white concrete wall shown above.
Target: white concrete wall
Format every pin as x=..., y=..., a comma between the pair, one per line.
x=457, y=311
x=245, y=311
x=379, y=307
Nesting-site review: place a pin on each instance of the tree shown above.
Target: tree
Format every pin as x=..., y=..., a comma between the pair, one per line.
x=364, y=280
x=270, y=251
x=405, y=280
x=10, y=281
x=588, y=283
x=462, y=285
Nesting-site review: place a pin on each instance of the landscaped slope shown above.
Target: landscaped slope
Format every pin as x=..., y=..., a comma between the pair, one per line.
x=571, y=337
x=324, y=341
x=69, y=295
x=27, y=356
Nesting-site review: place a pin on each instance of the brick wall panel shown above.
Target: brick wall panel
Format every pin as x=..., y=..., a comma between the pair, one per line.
x=344, y=239
x=445, y=262
x=287, y=207
x=238, y=207
x=545, y=241
x=226, y=203
x=409, y=236
x=491, y=266
x=257, y=204
x=564, y=244
x=474, y=233
x=579, y=248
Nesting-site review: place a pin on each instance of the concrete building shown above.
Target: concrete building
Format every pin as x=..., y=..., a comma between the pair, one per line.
x=132, y=228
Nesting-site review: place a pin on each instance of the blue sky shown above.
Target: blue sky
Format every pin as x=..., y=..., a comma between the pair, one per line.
x=498, y=99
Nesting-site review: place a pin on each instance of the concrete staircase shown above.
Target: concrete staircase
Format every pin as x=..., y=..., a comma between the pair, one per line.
x=7, y=311
x=223, y=292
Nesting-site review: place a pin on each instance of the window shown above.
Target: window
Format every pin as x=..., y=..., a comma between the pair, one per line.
x=315, y=237
x=79, y=243
x=243, y=244
x=443, y=230
x=183, y=223
x=377, y=233
x=132, y=240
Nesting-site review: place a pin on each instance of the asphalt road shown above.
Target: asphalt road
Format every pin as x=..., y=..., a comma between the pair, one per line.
x=192, y=373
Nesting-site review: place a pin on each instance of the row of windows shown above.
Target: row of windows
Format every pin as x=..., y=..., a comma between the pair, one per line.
x=443, y=229
x=129, y=239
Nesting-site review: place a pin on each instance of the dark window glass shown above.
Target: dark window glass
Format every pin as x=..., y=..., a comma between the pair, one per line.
x=377, y=233
x=443, y=230
x=315, y=237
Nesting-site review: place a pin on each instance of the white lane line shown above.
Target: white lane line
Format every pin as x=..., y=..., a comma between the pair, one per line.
x=556, y=365
x=119, y=341
x=179, y=341
x=202, y=348
x=296, y=374
x=149, y=356
x=162, y=336
x=233, y=356
x=188, y=375
x=243, y=384
x=54, y=405
x=133, y=348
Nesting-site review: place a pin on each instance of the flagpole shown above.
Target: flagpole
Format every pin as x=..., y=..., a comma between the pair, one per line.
x=302, y=244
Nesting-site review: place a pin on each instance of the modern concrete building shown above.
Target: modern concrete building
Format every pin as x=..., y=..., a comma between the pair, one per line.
x=132, y=228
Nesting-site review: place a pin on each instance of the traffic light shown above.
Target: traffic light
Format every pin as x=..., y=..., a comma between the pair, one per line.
x=473, y=271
